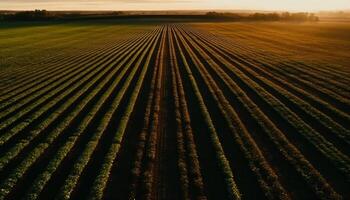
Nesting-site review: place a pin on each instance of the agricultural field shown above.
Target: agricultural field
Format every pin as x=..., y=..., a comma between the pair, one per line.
x=110, y=110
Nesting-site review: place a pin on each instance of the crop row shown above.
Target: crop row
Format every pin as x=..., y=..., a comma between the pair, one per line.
x=241, y=126
x=64, y=124
x=270, y=127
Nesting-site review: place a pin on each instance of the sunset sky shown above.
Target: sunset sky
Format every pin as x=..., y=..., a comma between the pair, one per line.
x=294, y=5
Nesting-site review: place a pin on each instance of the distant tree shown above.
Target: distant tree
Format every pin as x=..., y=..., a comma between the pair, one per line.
x=224, y=15
x=285, y=16
x=31, y=15
x=118, y=13
x=214, y=14
x=265, y=17
x=313, y=17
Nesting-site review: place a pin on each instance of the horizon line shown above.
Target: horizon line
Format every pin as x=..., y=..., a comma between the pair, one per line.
x=179, y=10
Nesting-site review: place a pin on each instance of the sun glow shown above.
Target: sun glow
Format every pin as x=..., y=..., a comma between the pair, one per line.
x=293, y=5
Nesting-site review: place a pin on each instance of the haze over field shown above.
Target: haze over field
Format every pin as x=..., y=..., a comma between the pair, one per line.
x=293, y=5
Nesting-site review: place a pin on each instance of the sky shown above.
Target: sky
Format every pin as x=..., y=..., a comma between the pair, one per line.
x=291, y=5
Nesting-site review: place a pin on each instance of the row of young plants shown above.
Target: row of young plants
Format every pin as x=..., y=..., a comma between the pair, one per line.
x=27, y=72
x=36, y=48
x=149, y=174
x=100, y=182
x=290, y=152
x=264, y=174
x=19, y=112
x=23, y=72
x=65, y=124
x=59, y=55
x=53, y=113
x=84, y=158
x=37, y=113
x=142, y=172
x=20, y=98
x=337, y=113
x=333, y=155
x=284, y=66
x=50, y=37
x=44, y=85
x=188, y=163
x=305, y=111
x=266, y=84
x=231, y=187
x=47, y=121
x=31, y=78
x=326, y=92
x=181, y=148
x=103, y=42
x=324, y=71
x=317, y=80
x=320, y=104
x=323, y=118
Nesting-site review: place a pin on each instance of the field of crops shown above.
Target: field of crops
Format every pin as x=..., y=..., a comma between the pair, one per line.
x=172, y=111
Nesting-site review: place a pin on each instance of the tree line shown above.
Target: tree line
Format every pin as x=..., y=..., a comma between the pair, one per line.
x=49, y=15
x=285, y=16
x=38, y=15
x=27, y=15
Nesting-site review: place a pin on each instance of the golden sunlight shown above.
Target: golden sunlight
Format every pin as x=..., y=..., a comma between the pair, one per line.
x=293, y=5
